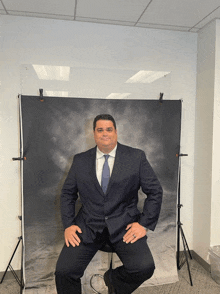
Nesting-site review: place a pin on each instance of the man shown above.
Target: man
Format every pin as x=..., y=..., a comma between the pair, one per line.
x=107, y=179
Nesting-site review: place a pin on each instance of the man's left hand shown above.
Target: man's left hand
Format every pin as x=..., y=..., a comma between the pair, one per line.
x=135, y=231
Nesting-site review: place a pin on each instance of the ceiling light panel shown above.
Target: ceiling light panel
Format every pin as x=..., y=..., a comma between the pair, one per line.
x=123, y=10
x=118, y=95
x=182, y=13
x=57, y=93
x=64, y=7
x=144, y=76
x=49, y=72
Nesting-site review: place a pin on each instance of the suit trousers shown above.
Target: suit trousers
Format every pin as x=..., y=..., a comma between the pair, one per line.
x=138, y=265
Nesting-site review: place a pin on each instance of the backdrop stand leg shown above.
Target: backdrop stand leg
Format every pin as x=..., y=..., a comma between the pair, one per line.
x=185, y=252
x=9, y=266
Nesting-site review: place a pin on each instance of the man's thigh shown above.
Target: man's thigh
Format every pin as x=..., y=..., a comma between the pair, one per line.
x=74, y=260
x=136, y=257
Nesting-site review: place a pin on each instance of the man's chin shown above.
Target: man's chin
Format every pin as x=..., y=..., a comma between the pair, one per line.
x=106, y=145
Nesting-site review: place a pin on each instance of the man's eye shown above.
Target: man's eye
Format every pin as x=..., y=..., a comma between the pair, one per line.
x=99, y=131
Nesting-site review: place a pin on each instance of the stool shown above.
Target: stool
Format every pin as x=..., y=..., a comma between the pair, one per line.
x=107, y=247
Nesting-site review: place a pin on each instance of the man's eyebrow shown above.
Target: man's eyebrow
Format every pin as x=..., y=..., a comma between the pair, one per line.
x=109, y=128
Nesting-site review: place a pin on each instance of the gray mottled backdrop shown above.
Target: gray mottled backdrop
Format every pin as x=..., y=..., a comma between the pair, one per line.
x=56, y=129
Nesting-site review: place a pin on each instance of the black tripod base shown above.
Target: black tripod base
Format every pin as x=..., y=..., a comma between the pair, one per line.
x=186, y=252
x=9, y=266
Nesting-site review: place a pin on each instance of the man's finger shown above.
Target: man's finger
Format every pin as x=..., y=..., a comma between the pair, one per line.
x=76, y=240
x=134, y=240
x=128, y=226
x=129, y=233
x=67, y=243
x=131, y=239
x=76, y=237
x=79, y=230
x=72, y=243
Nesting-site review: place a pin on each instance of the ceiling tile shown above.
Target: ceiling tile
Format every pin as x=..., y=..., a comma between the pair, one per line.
x=182, y=13
x=178, y=15
x=62, y=7
x=2, y=11
x=210, y=17
x=1, y=6
x=123, y=10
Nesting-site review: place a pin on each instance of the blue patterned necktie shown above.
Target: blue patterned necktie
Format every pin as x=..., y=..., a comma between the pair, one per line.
x=105, y=174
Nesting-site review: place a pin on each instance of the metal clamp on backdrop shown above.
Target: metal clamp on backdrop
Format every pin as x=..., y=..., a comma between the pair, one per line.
x=19, y=158
x=41, y=95
x=161, y=98
x=181, y=154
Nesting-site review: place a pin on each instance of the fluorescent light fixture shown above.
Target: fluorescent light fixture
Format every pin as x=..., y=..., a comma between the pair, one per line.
x=144, y=76
x=118, y=95
x=57, y=93
x=50, y=72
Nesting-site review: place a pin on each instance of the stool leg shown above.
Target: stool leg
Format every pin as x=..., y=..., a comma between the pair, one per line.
x=110, y=262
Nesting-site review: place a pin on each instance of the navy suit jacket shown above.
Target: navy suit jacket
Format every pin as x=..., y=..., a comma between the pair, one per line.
x=118, y=207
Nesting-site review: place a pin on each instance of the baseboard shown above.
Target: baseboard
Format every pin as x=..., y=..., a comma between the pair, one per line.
x=201, y=261
x=9, y=275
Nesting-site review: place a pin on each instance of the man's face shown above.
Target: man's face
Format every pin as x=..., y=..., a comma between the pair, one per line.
x=105, y=135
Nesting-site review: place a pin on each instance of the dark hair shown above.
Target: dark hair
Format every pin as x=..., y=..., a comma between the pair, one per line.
x=103, y=117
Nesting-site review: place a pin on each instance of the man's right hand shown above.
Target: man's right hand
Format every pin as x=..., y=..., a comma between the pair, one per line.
x=71, y=236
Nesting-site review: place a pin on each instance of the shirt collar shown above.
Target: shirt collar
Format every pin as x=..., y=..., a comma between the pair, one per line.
x=99, y=153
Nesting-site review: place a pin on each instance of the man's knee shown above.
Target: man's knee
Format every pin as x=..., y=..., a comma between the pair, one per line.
x=144, y=271
x=67, y=272
x=148, y=270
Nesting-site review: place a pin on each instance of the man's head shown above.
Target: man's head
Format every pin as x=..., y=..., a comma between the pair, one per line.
x=103, y=117
x=105, y=133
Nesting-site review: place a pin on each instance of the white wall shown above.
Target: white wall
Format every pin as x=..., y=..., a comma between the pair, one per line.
x=207, y=159
x=215, y=202
x=101, y=58
x=203, y=139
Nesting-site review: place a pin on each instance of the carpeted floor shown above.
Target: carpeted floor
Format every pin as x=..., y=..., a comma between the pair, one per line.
x=202, y=284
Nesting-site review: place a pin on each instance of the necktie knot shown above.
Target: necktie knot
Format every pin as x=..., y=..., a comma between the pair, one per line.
x=106, y=157
x=105, y=174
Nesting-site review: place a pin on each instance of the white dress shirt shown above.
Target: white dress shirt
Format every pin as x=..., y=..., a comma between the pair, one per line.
x=100, y=159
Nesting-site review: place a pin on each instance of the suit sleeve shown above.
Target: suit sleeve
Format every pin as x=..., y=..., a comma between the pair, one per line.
x=153, y=190
x=69, y=195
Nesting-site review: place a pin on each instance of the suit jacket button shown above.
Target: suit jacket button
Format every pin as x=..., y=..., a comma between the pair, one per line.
x=106, y=217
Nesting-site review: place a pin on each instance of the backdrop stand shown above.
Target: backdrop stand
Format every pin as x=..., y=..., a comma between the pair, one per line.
x=20, y=280
x=181, y=262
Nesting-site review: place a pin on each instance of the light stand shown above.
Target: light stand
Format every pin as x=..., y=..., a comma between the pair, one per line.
x=20, y=280
x=180, y=233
